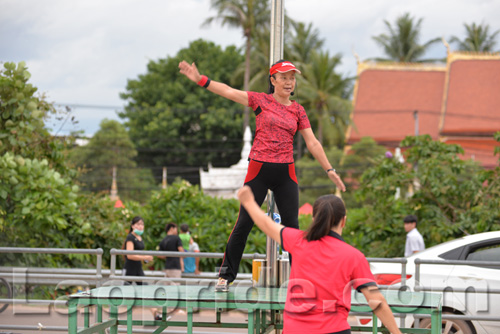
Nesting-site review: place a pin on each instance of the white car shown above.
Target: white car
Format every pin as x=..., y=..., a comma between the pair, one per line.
x=468, y=289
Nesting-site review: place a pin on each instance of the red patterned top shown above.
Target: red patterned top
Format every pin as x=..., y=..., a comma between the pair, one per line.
x=276, y=124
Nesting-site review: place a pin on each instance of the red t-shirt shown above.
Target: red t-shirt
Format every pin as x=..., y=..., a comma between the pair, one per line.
x=276, y=124
x=319, y=290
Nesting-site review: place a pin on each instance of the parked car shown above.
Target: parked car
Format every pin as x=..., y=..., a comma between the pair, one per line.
x=467, y=289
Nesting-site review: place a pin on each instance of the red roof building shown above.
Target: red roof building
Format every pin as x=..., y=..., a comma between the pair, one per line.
x=306, y=209
x=458, y=102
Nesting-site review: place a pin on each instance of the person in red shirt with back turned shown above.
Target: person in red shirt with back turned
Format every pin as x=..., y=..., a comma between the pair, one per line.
x=325, y=268
x=271, y=164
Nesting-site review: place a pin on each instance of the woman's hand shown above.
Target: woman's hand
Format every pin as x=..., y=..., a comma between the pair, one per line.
x=245, y=195
x=336, y=179
x=190, y=71
x=262, y=220
x=148, y=258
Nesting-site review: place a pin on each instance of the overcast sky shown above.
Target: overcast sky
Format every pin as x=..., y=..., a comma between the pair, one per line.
x=82, y=52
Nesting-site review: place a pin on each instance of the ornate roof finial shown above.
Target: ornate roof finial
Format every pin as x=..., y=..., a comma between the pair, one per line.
x=358, y=60
x=446, y=45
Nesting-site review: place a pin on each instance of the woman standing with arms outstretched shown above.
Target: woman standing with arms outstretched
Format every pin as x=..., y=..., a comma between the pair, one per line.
x=271, y=164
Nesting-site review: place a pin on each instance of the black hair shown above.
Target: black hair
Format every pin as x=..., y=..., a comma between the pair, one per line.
x=170, y=226
x=328, y=211
x=184, y=227
x=410, y=219
x=135, y=220
x=270, y=88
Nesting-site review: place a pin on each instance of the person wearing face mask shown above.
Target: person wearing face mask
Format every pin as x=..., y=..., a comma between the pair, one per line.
x=271, y=165
x=133, y=263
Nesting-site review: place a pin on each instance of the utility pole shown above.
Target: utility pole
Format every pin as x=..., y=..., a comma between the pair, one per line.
x=416, y=183
x=276, y=53
x=415, y=117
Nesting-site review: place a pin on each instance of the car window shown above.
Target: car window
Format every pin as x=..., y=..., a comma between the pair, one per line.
x=486, y=253
x=453, y=254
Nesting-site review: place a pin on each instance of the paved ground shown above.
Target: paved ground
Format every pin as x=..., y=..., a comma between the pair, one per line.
x=47, y=317
x=22, y=315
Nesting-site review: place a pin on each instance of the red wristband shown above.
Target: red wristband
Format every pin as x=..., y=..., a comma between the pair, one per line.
x=203, y=81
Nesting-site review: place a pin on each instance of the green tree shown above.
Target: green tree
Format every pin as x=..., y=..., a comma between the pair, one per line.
x=477, y=38
x=22, y=126
x=451, y=197
x=362, y=155
x=40, y=205
x=304, y=43
x=37, y=196
x=111, y=147
x=245, y=15
x=37, y=202
x=326, y=95
x=175, y=123
x=402, y=42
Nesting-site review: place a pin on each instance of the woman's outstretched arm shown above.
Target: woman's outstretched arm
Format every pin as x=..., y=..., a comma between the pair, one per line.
x=219, y=88
x=263, y=221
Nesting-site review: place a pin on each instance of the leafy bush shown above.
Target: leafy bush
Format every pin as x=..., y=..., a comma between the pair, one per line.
x=451, y=197
x=210, y=220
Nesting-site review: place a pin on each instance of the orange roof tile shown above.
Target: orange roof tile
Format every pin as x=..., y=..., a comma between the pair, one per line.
x=386, y=99
x=306, y=209
x=473, y=101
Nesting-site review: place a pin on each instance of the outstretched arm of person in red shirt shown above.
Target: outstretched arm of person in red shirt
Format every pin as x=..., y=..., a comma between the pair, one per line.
x=379, y=305
x=263, y=221
x=219, y=88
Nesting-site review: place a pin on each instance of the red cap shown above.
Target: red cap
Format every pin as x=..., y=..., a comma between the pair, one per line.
x=283, y=67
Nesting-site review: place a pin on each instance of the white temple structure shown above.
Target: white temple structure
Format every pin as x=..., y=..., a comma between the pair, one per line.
x=225, y=182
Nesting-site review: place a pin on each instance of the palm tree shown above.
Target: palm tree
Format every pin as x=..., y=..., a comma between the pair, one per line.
x=402, y=42
x=478, y=38
x=305, y=42
x=246, y=15
x=261, y=49
x=326, y=93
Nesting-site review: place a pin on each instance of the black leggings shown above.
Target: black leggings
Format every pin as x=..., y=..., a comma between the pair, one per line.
x=261, y=176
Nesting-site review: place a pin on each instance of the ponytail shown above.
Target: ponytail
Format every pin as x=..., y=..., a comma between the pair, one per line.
x=328, y=211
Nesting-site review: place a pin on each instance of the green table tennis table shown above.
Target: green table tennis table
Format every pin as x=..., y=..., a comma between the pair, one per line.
x=263, y=305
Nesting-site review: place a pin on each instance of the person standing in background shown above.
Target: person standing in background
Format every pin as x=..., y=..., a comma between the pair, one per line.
x=133, y=263
x=172, y=243
x=414, y=240
x=191, y=264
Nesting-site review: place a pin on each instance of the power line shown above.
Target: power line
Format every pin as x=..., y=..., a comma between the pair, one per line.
x=87, y=106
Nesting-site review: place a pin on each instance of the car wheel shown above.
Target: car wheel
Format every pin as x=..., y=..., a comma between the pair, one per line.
x=450, y=326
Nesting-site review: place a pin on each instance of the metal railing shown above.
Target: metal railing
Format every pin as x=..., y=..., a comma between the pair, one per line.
x=98, y=276
x=11, y=276
x=187, y=279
